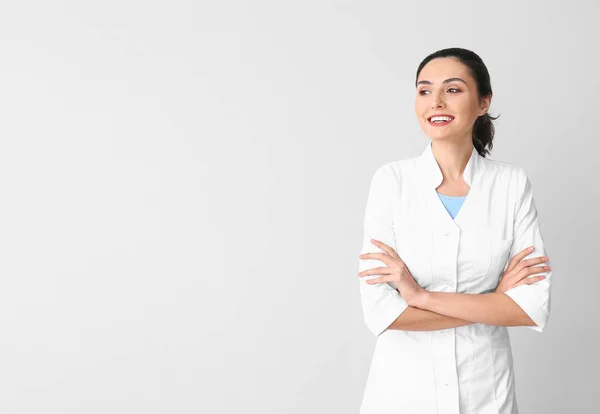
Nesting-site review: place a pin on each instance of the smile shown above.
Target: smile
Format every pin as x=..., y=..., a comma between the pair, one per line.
x=440, y=120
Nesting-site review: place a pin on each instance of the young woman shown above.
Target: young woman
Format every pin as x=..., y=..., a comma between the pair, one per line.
x=435, y=286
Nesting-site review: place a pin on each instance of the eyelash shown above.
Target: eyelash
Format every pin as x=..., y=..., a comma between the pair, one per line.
x=456, y=89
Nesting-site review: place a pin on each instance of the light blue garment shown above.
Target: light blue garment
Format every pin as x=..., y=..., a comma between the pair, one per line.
x=452, y=204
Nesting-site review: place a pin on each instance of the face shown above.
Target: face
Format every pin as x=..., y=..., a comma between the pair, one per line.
x=445, y=87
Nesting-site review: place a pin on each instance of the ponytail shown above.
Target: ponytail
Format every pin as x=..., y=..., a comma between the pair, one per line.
x=483, y=134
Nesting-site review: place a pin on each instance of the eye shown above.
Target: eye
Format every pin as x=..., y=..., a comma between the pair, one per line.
x=423, y=92
x=453, y=89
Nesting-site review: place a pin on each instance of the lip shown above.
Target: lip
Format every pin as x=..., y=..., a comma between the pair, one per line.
x=439, y=124
x=431, y=116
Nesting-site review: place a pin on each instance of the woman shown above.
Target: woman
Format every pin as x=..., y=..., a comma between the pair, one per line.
x=439, y=228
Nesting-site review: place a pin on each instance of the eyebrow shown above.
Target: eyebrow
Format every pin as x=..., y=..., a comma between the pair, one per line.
x=426, y=82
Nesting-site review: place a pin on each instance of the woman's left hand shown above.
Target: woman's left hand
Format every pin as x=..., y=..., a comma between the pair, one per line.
x=395, y=272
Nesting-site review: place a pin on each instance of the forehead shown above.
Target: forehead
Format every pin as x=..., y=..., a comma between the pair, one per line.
x=440, y=69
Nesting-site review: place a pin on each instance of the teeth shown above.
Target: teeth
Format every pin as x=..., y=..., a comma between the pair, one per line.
x=441, y=118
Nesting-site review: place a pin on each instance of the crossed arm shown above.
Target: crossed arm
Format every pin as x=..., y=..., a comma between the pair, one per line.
x=415, y=319
x=445, y=310
x=384, y=307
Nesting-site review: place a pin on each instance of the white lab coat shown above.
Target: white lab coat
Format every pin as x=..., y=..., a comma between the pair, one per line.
x=461, y=370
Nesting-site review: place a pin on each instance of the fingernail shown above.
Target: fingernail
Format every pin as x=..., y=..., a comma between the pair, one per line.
x=531, y=248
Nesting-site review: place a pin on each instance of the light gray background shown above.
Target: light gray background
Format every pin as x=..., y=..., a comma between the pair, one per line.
x=183, y=187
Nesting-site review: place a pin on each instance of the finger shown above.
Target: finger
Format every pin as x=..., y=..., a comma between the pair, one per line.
x=530, y=280
x=519, y=256
x=378, y=256
x=531, y=270
x=535, y=260
x=377, y=280
x=517, y=275
x=376, y=271
x=538, y=269
x=516, y=272
x=527, y=272
x=390, y=251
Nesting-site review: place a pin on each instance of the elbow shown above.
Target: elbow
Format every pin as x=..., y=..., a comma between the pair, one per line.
x=537, y=323
x=532, y=324
x=534, y=307
x=527, y=321
x=379, y=316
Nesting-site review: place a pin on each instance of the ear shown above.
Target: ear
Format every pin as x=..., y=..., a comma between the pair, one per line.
x=484, y=104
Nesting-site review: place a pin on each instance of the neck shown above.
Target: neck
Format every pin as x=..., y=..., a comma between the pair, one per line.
x=452, y=157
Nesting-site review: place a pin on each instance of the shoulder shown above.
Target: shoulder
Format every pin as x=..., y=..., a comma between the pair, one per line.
x=500, y=166
x=390, y=176
x=511, y=173
x=396, y=169
x=513, y=177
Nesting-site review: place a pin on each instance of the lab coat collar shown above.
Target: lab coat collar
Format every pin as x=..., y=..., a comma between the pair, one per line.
x=433, y=173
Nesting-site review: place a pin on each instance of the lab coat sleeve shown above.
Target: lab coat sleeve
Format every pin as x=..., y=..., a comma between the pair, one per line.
x=534, y=299
x=381, y=302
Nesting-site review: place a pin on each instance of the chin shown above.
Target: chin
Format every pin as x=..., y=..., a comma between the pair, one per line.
x=438, y=135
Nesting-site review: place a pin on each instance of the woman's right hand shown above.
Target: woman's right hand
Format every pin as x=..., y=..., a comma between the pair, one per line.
x=518, y=270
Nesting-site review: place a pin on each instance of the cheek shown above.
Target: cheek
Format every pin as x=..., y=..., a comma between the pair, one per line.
x=417, y=108
x=421, y=109
x=467, y=107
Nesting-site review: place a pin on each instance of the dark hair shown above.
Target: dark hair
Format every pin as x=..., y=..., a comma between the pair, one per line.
x=483, y=129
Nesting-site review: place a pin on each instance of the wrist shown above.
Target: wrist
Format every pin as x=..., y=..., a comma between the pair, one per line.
x=420, y=300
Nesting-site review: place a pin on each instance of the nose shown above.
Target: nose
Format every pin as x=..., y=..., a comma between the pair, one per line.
x=437, y=101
